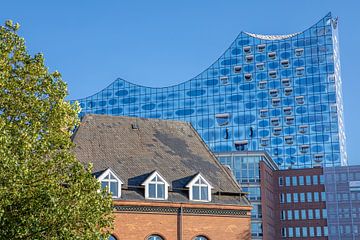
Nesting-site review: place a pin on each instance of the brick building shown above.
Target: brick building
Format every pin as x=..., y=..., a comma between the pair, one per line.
x=165, y=182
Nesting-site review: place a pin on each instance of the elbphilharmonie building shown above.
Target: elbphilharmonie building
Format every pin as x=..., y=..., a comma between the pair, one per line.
x=275, y=93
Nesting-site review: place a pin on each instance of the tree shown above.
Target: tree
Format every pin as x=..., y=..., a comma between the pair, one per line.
x=45, y=193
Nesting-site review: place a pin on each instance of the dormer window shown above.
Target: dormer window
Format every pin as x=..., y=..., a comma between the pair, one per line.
x=156, y=187
x=199, y=189
x=111, y=182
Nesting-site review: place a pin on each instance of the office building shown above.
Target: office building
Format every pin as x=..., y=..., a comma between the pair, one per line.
x=275, y=93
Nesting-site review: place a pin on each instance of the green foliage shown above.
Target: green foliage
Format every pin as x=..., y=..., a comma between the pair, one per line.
x=45, y=193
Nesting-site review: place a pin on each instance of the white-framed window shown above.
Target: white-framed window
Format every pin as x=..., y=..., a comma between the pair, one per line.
x=156, y=187
x=155, y=237
x=199, y=189
x=110, y=181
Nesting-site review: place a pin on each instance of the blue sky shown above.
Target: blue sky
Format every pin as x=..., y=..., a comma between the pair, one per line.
x=160, y=43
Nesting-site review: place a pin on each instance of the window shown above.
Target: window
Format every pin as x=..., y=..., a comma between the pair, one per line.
x=283, y=232
x=289, y=120
x=200, y=238
x=237, y=69
x=308, y=180
x=224, y=80
x=280, y=181
x=316, y=197
x=304, y=232
x=248, y=77
x=112, y=237
x=272, y=55
x=272, y=74
x=261, y=47
x=318, y=231
x=299, y=52
x=241, y=145
x=264, y=142
x=275, y=121
x=277, y=131
x=296, y=197
x=200, y=189
x=291, y=232
x=155, y=237
x=310, y=214
x=222, y=119
x=289, y=140
x=288, y=197
x=260, y=66
x=287, y=181
x=249, y=58
x=322, y=180
x=288, y=91
x=301, y=180
x=312, y=231
x=303, y=214
x=303, y=129
x=247, y=49
x=324, y=213
x=288, y=110
x=111, y=182
x=317, y=214
x=275, y=102
x=299, y=100
x=297, y=232
x=262, y=84
x=300, y=71
x=326, y=232
x=282, y=216
x=315, y=180
x=273, y=92
x=263, y=113
x=309, y=196
x=302, y=197
x=294, y=180
x=304, y=148
x=285, y=63
x=296, y=215
x=286, y=82
x=156, y=187
x=282, y=198
x=323, y=196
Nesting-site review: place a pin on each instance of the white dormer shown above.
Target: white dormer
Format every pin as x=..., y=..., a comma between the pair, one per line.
x=156, y=187
x=109, y=180
x=199, y=189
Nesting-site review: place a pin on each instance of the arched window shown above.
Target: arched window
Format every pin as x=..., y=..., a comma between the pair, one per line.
x=200, y=238
x=155, y=237
x=112, y=237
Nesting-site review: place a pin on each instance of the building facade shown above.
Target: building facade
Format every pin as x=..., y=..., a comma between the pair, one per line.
x=279, y=94
x=165, y=183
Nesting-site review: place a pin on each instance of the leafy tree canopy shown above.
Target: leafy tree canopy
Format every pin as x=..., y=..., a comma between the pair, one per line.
x=45, y=193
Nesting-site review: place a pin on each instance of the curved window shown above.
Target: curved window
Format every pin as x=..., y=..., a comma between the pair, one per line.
x=200, y=238
x=112, y=237
x=155, y=237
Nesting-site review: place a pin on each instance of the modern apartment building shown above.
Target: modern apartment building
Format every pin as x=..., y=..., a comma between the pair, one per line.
x=275, y=93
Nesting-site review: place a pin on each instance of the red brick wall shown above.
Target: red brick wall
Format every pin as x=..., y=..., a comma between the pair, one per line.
x=138, y=226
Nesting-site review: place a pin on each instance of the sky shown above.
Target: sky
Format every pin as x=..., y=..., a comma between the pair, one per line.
x=160, y=43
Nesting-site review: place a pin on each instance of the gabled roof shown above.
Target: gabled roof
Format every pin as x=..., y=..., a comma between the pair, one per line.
x=196, y=177
x=152, y=175
x=172, y=148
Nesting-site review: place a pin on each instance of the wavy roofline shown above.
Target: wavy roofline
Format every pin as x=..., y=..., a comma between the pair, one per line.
x=258, y=36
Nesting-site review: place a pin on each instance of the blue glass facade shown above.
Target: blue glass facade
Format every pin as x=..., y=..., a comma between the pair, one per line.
x=280, y=94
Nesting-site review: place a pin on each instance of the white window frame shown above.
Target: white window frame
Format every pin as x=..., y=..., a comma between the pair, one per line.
x=117, y=179
x=192, y=183
x=148, y=180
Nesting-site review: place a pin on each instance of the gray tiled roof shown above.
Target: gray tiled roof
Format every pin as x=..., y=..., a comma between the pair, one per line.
x=172, y=148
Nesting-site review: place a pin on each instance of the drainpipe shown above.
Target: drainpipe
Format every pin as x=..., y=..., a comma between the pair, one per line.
x=180, y=230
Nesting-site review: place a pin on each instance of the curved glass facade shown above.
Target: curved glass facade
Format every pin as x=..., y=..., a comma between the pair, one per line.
x=281, y=94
